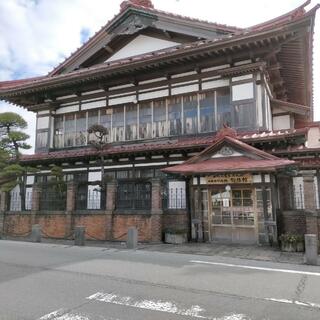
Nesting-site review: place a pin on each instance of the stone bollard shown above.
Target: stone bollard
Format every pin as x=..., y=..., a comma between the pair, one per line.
x=36, y=233
x=132, y=238
x=79, y=236
x=311, y=245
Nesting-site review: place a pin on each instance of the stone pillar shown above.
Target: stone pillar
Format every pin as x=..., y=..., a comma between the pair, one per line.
x=156, y=211
x=309, y=192
x=132, y=238
x=79, y=236
x=36, y=233
x=312, y=222
x=311, y=245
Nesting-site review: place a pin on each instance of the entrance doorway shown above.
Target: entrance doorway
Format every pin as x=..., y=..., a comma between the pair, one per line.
x=232, y=215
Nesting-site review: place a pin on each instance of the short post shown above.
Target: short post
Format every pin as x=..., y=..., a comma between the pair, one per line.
x=132, y=238
x=311, y=245
x=36, y=233
x=79, y=236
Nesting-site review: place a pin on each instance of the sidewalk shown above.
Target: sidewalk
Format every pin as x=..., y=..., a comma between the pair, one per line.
x=230, y=250
x=252, y=252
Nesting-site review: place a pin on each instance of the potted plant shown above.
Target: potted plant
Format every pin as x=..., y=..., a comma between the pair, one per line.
x=175, y=236
x=291, y=242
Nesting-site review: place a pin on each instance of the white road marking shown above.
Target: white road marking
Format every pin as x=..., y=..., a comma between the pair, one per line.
x=52, y=315
x=59, y=315
x=194, y=311
x=308, y=273
x=299, y=303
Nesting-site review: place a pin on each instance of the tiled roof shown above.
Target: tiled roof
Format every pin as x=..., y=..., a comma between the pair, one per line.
x=230, y=164
x=131, y=61
x=180, y=143
x=131, y=5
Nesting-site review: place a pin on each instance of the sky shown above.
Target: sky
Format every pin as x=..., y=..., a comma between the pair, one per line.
x=36, y=35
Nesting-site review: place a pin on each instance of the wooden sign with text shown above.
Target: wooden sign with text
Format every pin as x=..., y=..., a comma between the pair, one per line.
x=230, y=178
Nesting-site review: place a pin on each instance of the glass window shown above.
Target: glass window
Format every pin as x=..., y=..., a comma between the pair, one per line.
x=118, y=124
x=105, y=120
x=93, y=118
x=244, y=116
x=207, y=116
x=69, y=130
x=58, y=132
x=145, y=120
x=159, y=118
x=81, y=129
x=176, y=195
x=42, y=139
x=223, y=107
x=131, y=122
x=190, y=110
x=174, y=115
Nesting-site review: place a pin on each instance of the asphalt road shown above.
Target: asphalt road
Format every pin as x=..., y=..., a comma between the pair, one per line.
x=56, y=282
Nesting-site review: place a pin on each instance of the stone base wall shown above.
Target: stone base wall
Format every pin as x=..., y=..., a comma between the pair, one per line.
x=103, y=226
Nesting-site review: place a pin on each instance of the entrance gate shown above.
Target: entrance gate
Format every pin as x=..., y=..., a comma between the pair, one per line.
x=232, y=214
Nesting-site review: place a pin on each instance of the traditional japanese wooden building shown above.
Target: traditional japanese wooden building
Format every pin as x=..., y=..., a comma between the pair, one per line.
x=209, y=129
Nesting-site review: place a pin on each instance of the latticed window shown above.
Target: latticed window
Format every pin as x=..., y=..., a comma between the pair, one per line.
x=134, y=195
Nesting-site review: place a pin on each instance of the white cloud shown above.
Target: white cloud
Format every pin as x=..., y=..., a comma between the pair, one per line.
x=37, y=35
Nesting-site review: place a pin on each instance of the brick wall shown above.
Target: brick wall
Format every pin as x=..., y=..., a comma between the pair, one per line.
x=52, y=225
x=293, y=222
x=98, y=226
x=16, y=225
x=121, y=223
x=176, y=219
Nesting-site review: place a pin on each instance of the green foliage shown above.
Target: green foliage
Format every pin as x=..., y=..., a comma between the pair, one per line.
x=291, y=238
x=12, y=121
x=57, y=184
x=12, y=140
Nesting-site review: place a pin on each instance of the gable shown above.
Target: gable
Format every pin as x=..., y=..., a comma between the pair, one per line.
x=225, y=152
x=140, y=45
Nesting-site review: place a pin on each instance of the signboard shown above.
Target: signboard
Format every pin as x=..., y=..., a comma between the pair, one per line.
x=230, y=178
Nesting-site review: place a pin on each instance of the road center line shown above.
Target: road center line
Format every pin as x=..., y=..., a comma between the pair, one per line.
x=317, y=274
